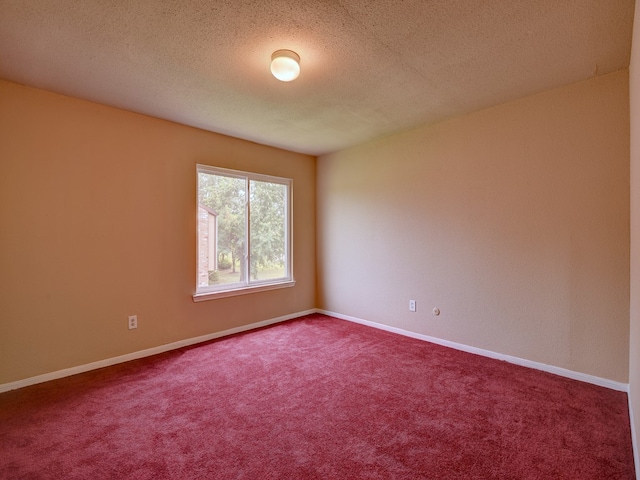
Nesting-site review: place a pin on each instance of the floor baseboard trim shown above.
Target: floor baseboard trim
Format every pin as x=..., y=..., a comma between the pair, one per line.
x=5, y=387
x=563, y=372
x=603, y=382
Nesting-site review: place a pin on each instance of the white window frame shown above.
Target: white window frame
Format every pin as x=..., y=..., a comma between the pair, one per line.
x=249, y=286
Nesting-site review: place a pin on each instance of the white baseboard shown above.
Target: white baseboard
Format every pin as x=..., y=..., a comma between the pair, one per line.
x=5, y=387
x=583, y=377
x=603, y=382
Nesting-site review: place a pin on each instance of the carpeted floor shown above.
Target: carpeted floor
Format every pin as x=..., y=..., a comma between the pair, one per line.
x=315, y=398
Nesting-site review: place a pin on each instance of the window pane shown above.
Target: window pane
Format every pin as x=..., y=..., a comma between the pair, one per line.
x=221, y=229
x=268, y=244
x=244, y=231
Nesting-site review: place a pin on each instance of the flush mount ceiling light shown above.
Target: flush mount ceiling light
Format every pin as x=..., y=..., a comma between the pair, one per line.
x=285, y=65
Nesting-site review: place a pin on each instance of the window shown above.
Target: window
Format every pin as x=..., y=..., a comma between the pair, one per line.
x=244, y=232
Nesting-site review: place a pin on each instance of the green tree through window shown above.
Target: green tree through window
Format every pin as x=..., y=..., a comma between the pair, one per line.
x=243, y=220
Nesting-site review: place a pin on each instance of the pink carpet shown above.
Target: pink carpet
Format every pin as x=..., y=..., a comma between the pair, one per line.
x=315, y=398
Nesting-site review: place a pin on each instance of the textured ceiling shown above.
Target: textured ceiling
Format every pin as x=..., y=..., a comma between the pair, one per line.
x=368, y=68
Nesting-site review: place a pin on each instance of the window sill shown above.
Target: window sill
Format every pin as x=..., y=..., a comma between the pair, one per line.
x=204, y=296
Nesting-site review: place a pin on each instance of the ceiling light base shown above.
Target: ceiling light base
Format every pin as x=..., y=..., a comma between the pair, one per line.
x=285, y=65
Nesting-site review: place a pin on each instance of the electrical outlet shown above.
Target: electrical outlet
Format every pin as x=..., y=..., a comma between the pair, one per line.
x=412, y=305
x=133, y=322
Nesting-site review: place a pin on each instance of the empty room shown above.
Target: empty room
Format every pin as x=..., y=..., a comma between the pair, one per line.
x=319, y=240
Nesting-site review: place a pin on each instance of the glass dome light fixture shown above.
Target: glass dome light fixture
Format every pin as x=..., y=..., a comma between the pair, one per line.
x=285, y=65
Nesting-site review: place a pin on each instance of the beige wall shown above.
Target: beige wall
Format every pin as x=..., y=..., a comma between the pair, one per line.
x=97, y=222
x=513, y=221
x=634, y=357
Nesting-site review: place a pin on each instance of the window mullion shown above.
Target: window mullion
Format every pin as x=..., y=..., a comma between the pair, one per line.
x=247, y=242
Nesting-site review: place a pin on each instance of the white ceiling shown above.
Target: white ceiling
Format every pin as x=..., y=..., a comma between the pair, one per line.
x=369, y=68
